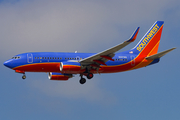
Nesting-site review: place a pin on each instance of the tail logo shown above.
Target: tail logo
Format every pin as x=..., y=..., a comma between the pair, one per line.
x=148, y=37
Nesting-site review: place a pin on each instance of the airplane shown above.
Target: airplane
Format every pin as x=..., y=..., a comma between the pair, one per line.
x=63, y=65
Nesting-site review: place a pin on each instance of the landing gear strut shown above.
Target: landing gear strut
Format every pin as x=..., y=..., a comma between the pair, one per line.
x=24, y=76
x=88, y=74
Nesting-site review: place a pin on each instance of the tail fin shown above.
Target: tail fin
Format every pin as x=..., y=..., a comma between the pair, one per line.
x=149, y=44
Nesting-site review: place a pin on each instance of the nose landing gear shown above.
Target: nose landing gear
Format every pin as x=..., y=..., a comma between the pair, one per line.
x=22, y=72
x=24, y=76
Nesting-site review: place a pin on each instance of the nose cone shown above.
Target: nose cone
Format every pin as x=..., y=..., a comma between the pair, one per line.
x=8, y=64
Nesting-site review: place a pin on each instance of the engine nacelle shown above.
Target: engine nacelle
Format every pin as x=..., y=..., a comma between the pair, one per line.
x=70, y=67
x=59, y=76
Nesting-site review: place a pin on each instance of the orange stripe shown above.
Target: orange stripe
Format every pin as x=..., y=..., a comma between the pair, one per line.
x=154, y=50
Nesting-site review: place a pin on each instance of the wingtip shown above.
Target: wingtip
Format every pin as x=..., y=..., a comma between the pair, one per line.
x=134, y=35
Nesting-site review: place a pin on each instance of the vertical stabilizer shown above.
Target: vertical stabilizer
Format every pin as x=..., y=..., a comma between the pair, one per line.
x=149, y=44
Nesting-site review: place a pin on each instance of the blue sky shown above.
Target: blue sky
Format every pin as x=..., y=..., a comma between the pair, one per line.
x=88, y=26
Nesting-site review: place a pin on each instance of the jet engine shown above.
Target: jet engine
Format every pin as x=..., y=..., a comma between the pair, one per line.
x=70, y=67
x=59, y=76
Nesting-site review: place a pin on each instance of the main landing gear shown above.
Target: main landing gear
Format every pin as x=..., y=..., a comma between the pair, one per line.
x=83, y=80
x=90, y=75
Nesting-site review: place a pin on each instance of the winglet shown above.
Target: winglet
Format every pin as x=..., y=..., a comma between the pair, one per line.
x=134, y=35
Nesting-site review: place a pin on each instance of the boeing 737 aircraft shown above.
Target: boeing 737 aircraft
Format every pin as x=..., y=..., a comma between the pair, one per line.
x=62, y=66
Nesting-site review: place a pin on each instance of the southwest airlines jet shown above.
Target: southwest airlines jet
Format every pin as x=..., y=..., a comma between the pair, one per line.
x=62, y=66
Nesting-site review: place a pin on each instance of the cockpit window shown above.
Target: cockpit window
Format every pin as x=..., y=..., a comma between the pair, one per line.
x=16, y=57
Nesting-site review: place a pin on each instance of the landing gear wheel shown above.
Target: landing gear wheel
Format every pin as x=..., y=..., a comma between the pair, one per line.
x=82, y=80
x=90, y=75
x=24, y=77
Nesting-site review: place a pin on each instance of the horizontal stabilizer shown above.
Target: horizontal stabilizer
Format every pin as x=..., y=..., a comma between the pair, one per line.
x=159, y=55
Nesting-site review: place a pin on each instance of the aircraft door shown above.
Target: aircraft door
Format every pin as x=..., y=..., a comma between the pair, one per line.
x=29, y=58
x=132, y=60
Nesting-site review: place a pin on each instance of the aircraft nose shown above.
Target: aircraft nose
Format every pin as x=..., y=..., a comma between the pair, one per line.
x=8, y=64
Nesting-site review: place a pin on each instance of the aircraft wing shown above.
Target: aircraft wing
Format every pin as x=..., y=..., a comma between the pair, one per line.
x=104, y=56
